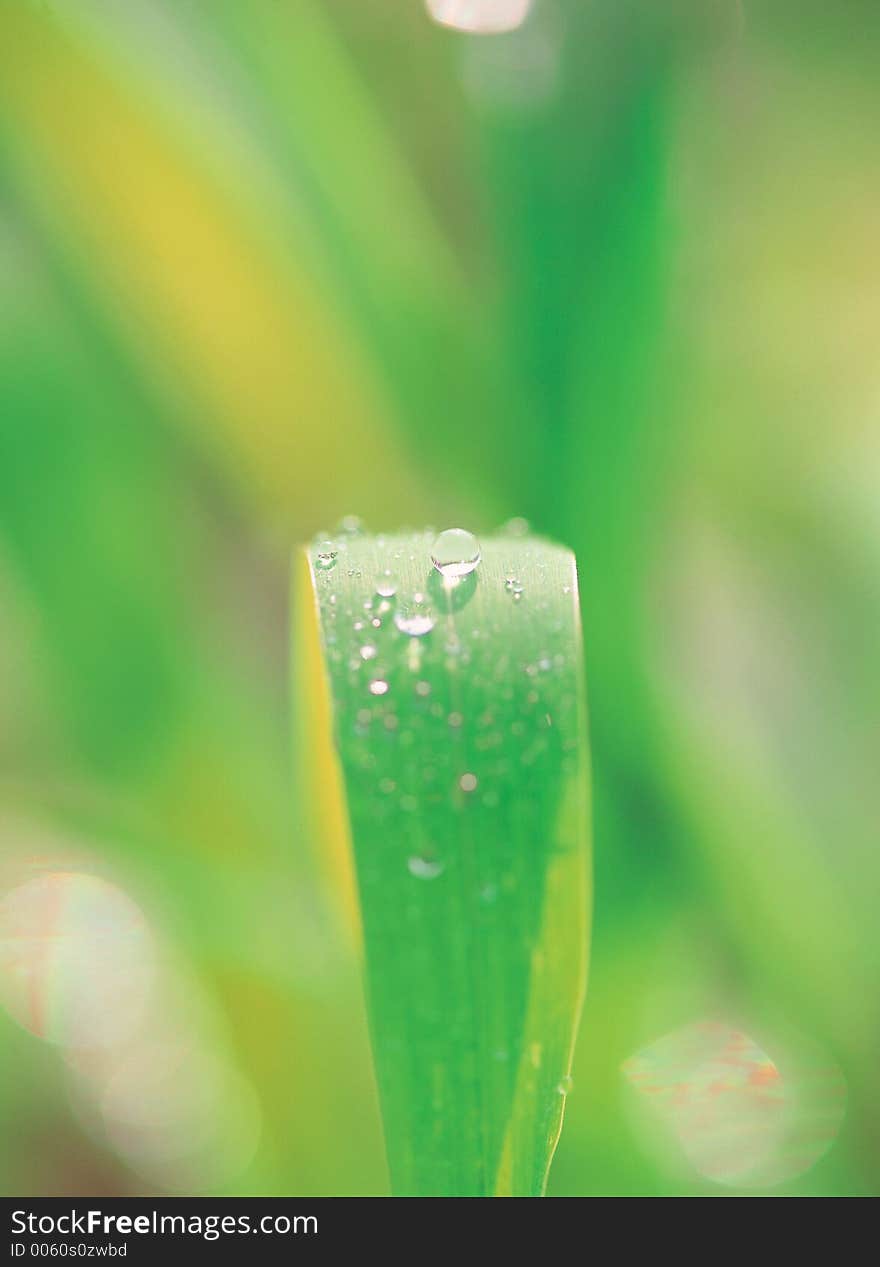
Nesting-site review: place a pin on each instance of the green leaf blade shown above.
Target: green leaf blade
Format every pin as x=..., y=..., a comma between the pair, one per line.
x=463, y=757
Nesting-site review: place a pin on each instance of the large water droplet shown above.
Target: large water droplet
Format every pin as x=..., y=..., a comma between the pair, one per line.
x=378, y=687
x=386, y=585
x=455, y=553
x=424, y=867
x=327, y=554
x=415, y=616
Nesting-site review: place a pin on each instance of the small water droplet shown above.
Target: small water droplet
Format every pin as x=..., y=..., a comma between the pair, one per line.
x=455, y=553
x=516, y=527
x=423, y=688
x=415, y=616
x=387, y=786
x=378, y=687
x=468, y=782
x=564, y=1086
x=514, y=587
x=368, y=651
x=455, y=719
x=327, y=554
x=424, y=867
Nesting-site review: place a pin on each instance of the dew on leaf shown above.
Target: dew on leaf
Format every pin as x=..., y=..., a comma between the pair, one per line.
x=424, y=867
x=455, y=553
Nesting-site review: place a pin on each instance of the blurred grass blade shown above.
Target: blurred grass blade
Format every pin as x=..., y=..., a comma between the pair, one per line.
x=460, y=769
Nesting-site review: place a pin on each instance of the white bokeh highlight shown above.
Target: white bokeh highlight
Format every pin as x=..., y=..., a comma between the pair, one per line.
x=480, y=17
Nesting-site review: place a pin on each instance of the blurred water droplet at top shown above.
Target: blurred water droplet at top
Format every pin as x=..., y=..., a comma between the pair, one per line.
x=415, y=616
x=483, y=17
x=516, y=527
x=350, y=526
x=455, y=553
x=424, y=867
x=326, y=556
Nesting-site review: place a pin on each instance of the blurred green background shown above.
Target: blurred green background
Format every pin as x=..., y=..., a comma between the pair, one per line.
x=264, y=263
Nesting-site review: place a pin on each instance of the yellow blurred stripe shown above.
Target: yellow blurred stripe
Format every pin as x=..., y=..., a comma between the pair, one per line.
x=321, y=790
x=236, y=331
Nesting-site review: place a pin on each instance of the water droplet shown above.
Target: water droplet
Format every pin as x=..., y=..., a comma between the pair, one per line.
x=327, y=554
x=516, y=527
x=423, y=688
x=424, y=867
x=387, y=786
x=455, y=719
x=468, y=782
x=455, y=553
x=386, y=586
x=564, y=1086
x=378, y=687
x=415, y=616
x=368, y=651
x=350, y=525
x=514, y=587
